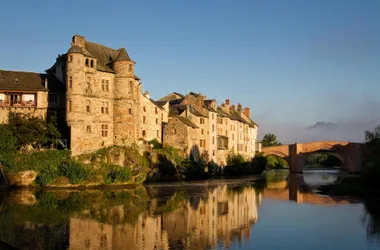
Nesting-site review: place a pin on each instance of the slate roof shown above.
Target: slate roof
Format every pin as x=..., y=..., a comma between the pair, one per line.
x=196, y=112
x=176, y=110
x=186, y=121
x=123, y=56
x=172, y=97
x=160, y=103
x=28, y=81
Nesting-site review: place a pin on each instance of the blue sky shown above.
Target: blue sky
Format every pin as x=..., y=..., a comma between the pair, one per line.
x=293, y=62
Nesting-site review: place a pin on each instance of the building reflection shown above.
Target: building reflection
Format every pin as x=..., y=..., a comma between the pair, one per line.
x=216, y=216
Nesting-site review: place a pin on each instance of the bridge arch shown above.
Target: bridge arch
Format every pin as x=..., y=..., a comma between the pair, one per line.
x=279, y=154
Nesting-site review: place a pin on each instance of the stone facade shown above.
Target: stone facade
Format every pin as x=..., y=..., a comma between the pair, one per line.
x=99, y=99
x=104, y=101
x=216, y=131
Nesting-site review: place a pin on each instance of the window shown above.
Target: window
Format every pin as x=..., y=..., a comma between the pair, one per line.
x=144, y=109
x=88, y=129
x=130, y=111
x=156, y=120
x=104, y=109
x=88, y=106
x=69, y=105
x=143, y=133
x=107, y=108
x=156, y=110
x=213, y=152
x=144, y=119
x=202, y=120
x=202, y=131
x=158, y=133
x=130, y=90
x=212, y=115
x=233, y=137
x=92, y=63
x=226, y=132
x=70, y=81
x=105, y=85
x=202, y=143
x=162, y=117
x=129, y=67
x=213, y=140
x=104, y=130
x=53, y=98
x=87, y=62
x=213, y=127
x=70, y=58
x=174, y=131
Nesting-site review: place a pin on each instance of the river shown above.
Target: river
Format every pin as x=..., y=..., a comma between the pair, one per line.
x=283, y=213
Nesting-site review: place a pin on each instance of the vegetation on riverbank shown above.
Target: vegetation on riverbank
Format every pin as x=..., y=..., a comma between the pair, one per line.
x=30, y=144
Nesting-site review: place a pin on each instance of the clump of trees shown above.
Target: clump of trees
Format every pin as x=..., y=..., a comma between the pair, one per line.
x=270, y=140
x=371, y=168
x=23, y=131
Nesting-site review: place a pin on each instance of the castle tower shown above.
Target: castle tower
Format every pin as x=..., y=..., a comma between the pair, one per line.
x=80, y=66
x=126, y=100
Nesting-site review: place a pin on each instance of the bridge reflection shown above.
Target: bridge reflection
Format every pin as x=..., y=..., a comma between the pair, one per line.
x=294, y=188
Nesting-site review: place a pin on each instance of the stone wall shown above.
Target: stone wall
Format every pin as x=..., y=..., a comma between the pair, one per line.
x=176, y=134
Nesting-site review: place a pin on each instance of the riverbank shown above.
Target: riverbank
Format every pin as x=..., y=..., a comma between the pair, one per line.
x=350, y=186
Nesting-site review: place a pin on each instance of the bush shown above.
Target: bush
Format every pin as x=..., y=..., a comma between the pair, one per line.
x=74, y=170
x=47, y=176
x=190, y=169
x=156, y=144
x=118, y=174
x=235, y=159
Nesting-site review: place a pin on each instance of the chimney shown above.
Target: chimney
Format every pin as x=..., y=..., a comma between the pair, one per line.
x=147, y=95
x=232, y=107
x=46, y=83
x=227, y=101
x=246, y=112
x=79, y=40
x=239, y=107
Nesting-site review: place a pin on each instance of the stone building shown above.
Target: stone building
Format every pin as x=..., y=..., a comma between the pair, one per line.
x=104, y=101
x=99, y=102
x=203, y=130
x=29, y=93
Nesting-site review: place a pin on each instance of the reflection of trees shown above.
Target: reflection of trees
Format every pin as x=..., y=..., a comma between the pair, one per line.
x=371, y=219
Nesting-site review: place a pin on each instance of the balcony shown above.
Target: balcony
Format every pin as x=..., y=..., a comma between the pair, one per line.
x=17, y=103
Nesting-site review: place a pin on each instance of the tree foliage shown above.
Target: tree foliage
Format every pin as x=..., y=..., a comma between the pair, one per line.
x=23, y=130
x=270, y=140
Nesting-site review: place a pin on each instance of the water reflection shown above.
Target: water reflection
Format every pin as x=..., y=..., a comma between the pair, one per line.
x=172, y=217
x=199, y=215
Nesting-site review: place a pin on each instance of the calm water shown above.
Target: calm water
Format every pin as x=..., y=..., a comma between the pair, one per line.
x=218, y=214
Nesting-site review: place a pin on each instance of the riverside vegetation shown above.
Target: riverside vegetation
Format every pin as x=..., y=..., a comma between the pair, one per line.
x=30, y=143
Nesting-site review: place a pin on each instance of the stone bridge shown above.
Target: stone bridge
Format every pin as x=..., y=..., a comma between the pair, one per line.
x=350, y=154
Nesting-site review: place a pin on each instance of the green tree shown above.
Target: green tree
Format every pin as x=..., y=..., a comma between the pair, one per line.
x=270, y=140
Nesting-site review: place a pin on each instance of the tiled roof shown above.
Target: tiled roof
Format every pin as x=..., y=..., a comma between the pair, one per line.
x=176, y=110
x=28, y=81
x=196, y=112
x=186, y=121
x=160, y=103
x=172, y=97
x=123, y=56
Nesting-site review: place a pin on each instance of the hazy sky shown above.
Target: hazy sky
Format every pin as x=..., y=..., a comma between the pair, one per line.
x=292, y=62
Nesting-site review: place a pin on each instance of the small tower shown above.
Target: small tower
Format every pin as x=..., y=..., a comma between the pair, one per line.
x=127, y=100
